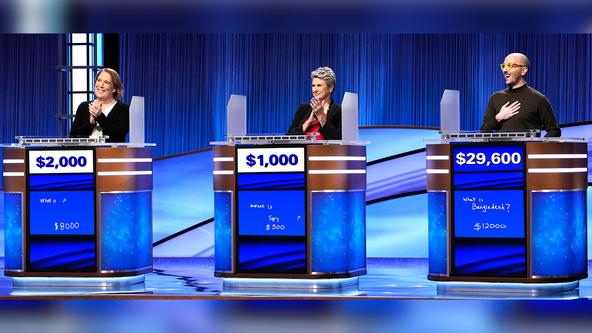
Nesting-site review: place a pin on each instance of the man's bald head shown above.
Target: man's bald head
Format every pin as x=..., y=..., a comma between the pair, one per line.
x=514, y=69
x=517, y=58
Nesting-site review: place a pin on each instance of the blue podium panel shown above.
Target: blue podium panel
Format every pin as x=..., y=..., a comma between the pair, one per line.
x=126, y=231
x=437, y=233
x=223, y=231
x=13, y=231
x=559, y=233
x=338, y=231
x=488, y=210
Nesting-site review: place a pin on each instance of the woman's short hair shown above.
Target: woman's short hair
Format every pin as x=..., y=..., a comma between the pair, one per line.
x=115, y=79
x=324, y=73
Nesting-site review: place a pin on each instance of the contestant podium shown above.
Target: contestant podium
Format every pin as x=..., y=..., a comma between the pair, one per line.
x=507, y=207
x=287, y=207
x=77, y=208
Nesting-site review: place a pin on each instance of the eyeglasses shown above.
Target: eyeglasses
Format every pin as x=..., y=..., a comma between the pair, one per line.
x=509, y=66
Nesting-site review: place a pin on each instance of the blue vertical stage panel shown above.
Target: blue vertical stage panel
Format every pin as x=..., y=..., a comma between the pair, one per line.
x=223, y=231
x=437, y=225
x=558, y=233
x=13, y=231
x=126, y=231
x=338, y=236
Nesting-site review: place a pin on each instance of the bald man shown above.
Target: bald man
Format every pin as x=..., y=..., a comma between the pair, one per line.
x=519, y=107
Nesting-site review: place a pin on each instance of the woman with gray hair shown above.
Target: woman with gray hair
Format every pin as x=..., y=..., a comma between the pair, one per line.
x=321, y=117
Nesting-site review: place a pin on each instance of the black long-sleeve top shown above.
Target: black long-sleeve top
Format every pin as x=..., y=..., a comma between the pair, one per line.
x=535, y=112
x=115, y=125
x=332, y=128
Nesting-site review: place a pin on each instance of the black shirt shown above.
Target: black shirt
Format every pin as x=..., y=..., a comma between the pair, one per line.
x=332, y=128
x=535, y=112
x=115, y=125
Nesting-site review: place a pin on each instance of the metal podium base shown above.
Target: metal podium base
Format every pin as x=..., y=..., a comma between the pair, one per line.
x=562, y=289
x=277, y=287
x=67, y=285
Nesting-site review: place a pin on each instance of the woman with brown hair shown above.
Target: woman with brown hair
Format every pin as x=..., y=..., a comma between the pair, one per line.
x=106, y=115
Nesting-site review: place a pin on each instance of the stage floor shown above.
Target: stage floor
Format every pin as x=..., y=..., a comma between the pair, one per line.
x=193, y=278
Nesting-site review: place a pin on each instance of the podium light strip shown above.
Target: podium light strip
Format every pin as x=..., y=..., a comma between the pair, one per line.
x=337, y=158
x=125, y=160
x=13, y=161
x=557, y=170
x=13, y=174
x=124, y=173
x=224, y=172
x=330, y=172
x=556, y=156
x=437, y=158
x=23, y=140
x=223, y=159
x=437, y=171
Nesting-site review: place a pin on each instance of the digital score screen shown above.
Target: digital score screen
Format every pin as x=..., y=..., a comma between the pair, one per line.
x=489, y=214
x=61, y=211
x=488, y=158
x=271, y=210
x=271, y=213
x=489, y=210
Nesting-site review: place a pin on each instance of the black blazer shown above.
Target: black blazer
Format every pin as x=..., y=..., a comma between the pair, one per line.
x=116, y=125
x=332, y=128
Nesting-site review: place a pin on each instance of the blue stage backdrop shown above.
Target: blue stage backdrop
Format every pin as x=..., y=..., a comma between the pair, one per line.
x=28, y=88
x=188, y=78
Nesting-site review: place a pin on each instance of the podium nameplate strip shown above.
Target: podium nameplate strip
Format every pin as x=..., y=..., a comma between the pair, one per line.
x=335, y=172
x=557, y=170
